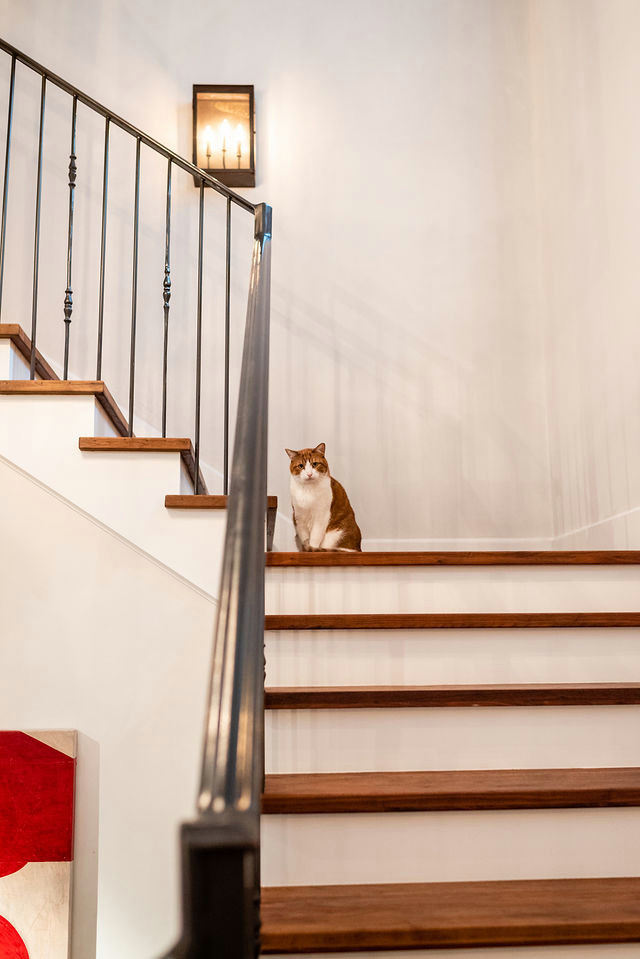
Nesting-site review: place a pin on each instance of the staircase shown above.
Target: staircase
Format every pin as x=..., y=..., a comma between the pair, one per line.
x=451, y=738
x=452, y=743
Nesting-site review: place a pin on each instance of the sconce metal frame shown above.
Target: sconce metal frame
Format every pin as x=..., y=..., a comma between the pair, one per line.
x=228, y=176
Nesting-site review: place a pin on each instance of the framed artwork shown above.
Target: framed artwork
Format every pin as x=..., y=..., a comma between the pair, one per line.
x=37, y=782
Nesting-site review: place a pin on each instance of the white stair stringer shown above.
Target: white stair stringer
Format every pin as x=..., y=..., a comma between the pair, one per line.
x=123, y=490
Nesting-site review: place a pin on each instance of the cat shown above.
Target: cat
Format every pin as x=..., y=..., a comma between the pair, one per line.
x=322, y=514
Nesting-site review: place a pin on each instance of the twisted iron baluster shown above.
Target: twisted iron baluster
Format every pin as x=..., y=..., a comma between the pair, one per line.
x=68, y=295
x=166, y=296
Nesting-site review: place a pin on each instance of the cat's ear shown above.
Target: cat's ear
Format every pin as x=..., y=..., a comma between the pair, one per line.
x=291, y=453
x=320, y=448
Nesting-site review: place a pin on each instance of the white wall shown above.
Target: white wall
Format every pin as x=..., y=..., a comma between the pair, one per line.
x=394, y=142
x=587, y=143
x=98, y=637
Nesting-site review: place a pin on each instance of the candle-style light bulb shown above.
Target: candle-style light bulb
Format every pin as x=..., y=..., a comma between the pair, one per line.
x=239, y=139
x=225, y=131
x=207, y=136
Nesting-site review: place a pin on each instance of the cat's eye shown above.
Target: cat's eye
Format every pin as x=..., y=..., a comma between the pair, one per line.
x=315, y=465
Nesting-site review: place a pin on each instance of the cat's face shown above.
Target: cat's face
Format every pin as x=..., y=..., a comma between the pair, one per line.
x=307, y=466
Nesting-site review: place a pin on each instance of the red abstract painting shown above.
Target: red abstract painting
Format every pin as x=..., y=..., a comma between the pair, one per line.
x=37, y=779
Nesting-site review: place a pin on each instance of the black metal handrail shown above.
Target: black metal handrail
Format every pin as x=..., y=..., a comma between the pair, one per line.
x=221, y=848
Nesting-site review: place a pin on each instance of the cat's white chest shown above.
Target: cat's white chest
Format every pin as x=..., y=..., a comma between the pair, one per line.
x=312, y=507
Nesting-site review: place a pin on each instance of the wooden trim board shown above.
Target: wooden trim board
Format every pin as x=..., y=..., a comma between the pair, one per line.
x=340, y=918
x=303, y=621
x=206, y=502
x=364, y=792
x=455, y=558
x=399, y=697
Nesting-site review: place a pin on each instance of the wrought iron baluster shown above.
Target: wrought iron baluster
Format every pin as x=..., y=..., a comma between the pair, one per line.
x=166, y=296
x=68, y=295
x=134, y=290
x=7, y=159
x=103, y=245
x=196, y=443
x=36, y=240
x=227, y=302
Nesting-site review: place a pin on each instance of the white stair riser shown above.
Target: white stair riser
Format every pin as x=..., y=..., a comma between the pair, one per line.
x=453, y=589
x=628, y=950
x=450, y=846
x=125, y=491
x=361, y=740
x=430, y=657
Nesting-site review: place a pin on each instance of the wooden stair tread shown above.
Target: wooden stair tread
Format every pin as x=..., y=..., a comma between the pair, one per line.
x=384, y=697
x=283, y=621
x=144, y=444
x=450, y=790
x=191, y=501
x=428, y=915
x=69, y=388
x=22, y=343
x=624, y=557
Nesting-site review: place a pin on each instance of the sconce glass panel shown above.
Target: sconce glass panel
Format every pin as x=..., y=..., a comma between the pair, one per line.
x=224, y=133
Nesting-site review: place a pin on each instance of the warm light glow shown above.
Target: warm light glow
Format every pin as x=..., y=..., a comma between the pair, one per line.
x=207, y=139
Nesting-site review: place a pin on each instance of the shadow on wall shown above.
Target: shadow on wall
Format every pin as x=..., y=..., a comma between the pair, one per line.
x=368, y=380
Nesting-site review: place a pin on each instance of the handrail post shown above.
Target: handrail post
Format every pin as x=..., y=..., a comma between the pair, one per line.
x=263, y=221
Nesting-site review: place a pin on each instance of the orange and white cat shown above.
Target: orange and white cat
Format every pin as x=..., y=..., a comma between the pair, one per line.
x=322, y=514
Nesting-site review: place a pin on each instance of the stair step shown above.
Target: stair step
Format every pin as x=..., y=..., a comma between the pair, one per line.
x=444, y=656
x=282, y=621
x=384, y=697
x=22, y=343
x=205, y=501
x=69, y=388
x=147, y=444
x=298, y=919
x=514, y=590
x=450, y=790
x=623, y=557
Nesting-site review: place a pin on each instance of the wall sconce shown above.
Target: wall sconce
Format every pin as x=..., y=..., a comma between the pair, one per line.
x=224, y=133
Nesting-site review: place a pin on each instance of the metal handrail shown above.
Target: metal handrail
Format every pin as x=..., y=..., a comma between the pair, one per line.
x=128, y=127
x=221, y=849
